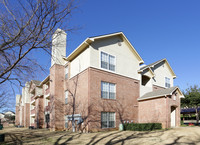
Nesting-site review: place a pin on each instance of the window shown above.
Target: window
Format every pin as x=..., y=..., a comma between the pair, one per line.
x=108, y=90
x=46, y=102
x=66, y=97
x=107, y=119
x=66, y=72
x=107, y=61
x=47, y=118
x=66, y=121
x=174, y=98
x=167, y=82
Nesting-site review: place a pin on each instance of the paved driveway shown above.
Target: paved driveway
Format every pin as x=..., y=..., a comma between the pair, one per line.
x=182, y=135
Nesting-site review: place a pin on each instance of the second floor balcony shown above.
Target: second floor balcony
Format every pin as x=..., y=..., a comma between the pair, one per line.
x=33, y=111
x=47, y=91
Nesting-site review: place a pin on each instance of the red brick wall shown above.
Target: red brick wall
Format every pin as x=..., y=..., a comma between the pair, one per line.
x=27, y=115
x=158, y=110
x=90, y=104
x=80, y=83
x=175, y=103
x=125, y=105
x=22, y=109
x=17, y=115
x=57, y=97
x=39, y=113
x=153, y=111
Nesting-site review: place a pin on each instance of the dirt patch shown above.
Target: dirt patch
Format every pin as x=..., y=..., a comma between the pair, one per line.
x=182, y=135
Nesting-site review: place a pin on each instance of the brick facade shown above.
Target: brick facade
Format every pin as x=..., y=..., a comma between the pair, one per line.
x=125, y=105
x=159, y=110
x=39, y=113
x=22, y=116
x=89, y=101
x=27, y=115
x=84, y=89
x=17, y=117
x=57, y=97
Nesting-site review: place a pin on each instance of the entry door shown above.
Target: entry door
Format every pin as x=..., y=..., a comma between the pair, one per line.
x=173, y=116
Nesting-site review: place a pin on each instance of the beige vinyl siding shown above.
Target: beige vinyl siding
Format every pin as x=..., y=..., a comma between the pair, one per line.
x=161, y=71
x=80, y=63
x=127, y=63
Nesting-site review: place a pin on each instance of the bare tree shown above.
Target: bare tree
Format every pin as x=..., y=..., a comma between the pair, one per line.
x=73, y=104
x=25, y=26
x=3, y=100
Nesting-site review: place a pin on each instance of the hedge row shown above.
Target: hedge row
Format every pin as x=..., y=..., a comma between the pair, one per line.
x=142, y=126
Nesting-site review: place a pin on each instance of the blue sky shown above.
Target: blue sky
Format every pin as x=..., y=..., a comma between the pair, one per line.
x=156, y=28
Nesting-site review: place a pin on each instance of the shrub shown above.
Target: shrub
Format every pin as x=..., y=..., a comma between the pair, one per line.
x=182, y=123
x=142, y=126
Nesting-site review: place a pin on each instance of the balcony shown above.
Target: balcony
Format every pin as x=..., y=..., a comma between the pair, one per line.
x=47, y=108
x=32, y=111
x=32, y=98
x=33, y=102
x=47, y=91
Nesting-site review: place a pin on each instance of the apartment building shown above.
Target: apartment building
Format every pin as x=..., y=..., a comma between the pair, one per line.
x=102, y=83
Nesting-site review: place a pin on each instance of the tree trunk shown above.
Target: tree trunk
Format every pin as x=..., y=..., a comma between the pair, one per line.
x=73, y=124
x=73, y=111
x=197, y=116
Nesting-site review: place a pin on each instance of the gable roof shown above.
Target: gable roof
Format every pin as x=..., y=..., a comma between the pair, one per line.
x=157, y=62
x=37, y=83
x=45, y=80
x=160, y=93
x=9, y=112
x=90, y=40
x=149, y=70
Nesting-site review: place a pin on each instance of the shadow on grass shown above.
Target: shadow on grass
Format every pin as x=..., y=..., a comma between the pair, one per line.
x=108, y=138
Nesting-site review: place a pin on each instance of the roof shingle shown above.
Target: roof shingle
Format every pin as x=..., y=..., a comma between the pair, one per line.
x=158, y=93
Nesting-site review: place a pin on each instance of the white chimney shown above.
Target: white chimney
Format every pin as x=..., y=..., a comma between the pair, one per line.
x=27, y=97
x=17, y=100
x=58, y=47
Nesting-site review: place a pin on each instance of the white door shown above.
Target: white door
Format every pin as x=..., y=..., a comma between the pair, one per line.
x=173, y=117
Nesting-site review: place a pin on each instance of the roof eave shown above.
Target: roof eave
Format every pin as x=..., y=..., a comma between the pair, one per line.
x=173, y=74
x=45, y=80
x=152, y=73
x=153, y=97
x=79, y=49
x=88, y=41
x=140, y=59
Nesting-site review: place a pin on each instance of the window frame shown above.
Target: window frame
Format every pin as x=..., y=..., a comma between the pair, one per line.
x=108, y=96
x=108, y=63
x=167, y=82
x=66, y=98
x=108, y=120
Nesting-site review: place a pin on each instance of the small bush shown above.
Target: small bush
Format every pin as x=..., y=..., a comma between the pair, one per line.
x=182, y=123
x=142, y=126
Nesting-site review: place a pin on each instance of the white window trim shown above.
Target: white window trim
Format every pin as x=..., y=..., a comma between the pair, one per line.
x=104, y=68
x=108, y=120
x=169, y=82
x=109, y=90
